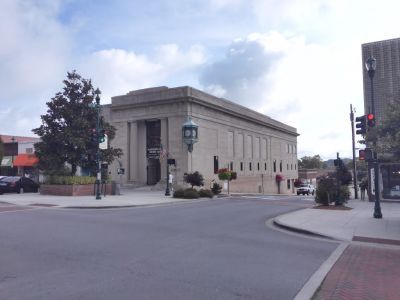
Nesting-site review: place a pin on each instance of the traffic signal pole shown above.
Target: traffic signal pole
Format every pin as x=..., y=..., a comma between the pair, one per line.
x=98, y=162
x=354, y=153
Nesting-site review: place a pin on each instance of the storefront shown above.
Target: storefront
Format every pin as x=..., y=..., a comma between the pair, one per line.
x=390, y=180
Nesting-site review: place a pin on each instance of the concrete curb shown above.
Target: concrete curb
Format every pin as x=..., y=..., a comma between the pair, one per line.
x=312, y=285
x=276, y=222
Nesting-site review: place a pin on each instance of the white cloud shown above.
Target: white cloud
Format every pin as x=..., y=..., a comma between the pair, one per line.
x=34, y=51
x=117, y=71
x=294, y=82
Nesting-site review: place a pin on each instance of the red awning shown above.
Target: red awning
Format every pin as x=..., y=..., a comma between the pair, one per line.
x=25, y=160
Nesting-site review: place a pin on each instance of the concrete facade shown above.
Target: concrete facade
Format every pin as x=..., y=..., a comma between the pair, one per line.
x=252, y=144
x=387, y=75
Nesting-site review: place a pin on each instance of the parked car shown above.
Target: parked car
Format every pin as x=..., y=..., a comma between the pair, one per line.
x=18, y=184
x=306, y=189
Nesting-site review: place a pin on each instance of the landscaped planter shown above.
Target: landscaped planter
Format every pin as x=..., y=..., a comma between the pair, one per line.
x=71, y=190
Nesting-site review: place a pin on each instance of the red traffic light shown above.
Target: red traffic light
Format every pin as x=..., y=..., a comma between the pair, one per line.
x=371, y=120
x=361, y=154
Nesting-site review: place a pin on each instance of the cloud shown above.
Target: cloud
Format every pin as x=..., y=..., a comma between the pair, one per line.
x=117, y=71
x=33, y=54
x=294, y=82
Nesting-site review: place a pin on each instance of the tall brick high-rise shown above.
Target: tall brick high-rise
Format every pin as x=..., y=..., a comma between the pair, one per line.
x=386, y=83
x=387, y=75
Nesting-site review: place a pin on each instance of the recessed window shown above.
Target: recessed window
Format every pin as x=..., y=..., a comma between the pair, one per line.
x=265, y=166
x=274, y=166
x=258, y=166
x=215, y=164
x=231, y=166
x=288, y=184
x=280, y=166
x=287, y=167
x=291, y=166
x=250, y=166
x=241, y=166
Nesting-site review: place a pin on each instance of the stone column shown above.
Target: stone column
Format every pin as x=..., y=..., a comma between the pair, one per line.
x=165, y=143
x=133, y=151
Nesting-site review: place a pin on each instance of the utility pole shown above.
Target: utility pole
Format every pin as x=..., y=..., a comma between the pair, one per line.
x=354, y=153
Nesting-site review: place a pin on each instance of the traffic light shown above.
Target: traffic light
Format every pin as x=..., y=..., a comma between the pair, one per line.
x=371, y=120
x=361, y=154
x=93, y=134
x=361, y=123
x=365, y=154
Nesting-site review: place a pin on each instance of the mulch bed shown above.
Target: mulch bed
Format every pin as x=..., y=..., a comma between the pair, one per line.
x=332, y=207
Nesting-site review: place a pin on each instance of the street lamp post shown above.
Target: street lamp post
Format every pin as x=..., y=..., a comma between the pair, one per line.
x=12, y=155
x=370, y=65
x=98, y=167
x=190, y=135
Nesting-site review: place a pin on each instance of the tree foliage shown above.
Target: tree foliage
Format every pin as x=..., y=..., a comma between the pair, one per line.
x=194, y=179
x=311, y=162
x=66, y=129
x=387, y=134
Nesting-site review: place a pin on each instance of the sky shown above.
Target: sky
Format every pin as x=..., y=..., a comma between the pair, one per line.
x=297, y=61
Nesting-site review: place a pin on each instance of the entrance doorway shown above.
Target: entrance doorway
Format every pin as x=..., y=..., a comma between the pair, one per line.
x=153, y=146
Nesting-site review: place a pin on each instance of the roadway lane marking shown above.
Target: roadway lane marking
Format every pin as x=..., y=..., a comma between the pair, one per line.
x=6, y=209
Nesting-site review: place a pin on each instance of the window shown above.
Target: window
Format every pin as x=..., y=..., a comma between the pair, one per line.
x=230, y=144
x=231, y=166
x=280, y=166
x=265, y=166
x=258, y=166
x=287, y=167
x=288, y=184
x=291, y=166
x=215, y=164
x=250, y=166
x=29, y=150
x=241, y=166
x=274, y=165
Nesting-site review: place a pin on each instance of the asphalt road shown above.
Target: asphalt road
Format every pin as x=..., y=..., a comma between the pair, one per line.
x=217, y=249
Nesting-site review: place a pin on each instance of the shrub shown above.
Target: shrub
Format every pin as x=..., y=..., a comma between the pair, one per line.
x=205, y=193
x=326, y=190
x=190, y=193
x=179, y=193
x=225, y=174
x=69, y=180
x=216, y=188
x=194, y=179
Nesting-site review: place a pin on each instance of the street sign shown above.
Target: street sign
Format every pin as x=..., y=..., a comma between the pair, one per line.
x=104, y=145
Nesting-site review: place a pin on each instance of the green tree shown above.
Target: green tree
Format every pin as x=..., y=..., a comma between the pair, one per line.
x=387, y=134
x=311, y=162
x=66, y=129
x=194, y=179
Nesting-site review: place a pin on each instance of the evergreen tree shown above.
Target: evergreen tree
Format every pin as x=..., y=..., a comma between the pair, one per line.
x=66, y=130
x=387, y=134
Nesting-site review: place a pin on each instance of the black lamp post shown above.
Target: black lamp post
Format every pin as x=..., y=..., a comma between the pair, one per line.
x=98, y=168
x=12, y=155
x=190, y=135
x=370, y=65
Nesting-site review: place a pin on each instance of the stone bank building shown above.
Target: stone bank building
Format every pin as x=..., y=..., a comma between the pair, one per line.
x=149, y=128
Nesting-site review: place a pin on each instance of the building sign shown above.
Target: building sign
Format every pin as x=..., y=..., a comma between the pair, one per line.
x=153, y=152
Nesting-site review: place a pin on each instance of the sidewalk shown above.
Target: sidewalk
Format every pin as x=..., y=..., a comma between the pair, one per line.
x=347, y=225
x=127, y=199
